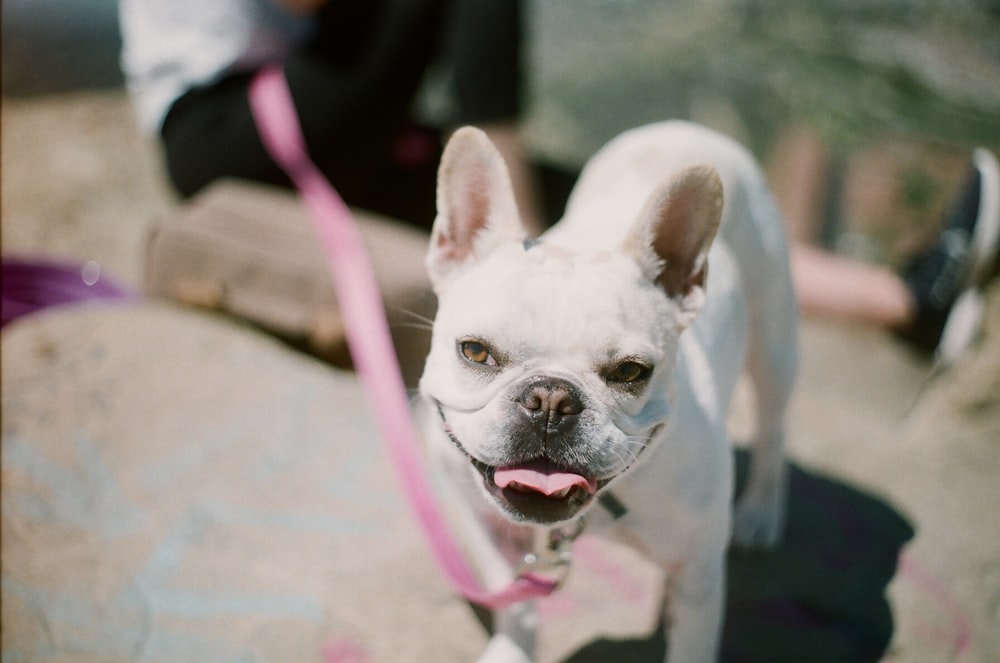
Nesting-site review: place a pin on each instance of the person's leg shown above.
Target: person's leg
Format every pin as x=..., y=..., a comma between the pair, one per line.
x=830, y=285
x=918, y=302
x=962, y=258
x=210, y=134
x=353, y=106
x=487, y=52
x=353, y=89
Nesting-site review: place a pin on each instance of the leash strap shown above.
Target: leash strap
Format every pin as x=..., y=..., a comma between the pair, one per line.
x=368, y=335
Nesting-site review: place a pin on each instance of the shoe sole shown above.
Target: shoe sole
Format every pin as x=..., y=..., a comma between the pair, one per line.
x=964, y=321
x=987, y=233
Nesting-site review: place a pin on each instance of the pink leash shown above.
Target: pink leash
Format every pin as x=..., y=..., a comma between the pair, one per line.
x=368, y=334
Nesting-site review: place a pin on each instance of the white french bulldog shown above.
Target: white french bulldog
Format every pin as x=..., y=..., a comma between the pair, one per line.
x=595, y=365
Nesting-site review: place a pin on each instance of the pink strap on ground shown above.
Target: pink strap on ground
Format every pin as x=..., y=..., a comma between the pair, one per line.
x=368, y=333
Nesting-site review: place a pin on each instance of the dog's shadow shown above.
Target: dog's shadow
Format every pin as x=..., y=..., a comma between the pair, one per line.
x=819, y=597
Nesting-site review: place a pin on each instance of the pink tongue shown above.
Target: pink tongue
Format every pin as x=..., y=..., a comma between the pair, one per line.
x=541, y=477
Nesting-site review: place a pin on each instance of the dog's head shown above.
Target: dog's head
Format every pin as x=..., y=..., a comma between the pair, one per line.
x=550, y=369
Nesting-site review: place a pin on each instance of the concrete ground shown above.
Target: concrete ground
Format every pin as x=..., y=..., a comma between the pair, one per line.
x=79, y=182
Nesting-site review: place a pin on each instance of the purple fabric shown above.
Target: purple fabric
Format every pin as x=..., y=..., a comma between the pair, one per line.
x=31, y=285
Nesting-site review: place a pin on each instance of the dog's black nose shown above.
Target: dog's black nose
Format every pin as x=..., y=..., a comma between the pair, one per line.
x=550, y=403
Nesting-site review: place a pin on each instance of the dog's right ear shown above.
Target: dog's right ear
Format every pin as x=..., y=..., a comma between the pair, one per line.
x=475, y=202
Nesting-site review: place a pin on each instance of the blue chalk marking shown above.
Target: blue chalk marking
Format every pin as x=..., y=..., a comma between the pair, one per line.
x=306, y=521
x=88, y=498
x=83, y=493
x=291, y=447
x=183, y=541
x=178, y=647
x=110, y=630
x=163, y=474
x=193, y=604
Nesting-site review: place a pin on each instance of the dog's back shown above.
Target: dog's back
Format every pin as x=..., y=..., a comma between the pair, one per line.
x=752, y=256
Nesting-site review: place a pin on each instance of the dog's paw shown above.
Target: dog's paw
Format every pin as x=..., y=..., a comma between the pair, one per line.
x=759, y=515
x=502, y=649
x=758, y=523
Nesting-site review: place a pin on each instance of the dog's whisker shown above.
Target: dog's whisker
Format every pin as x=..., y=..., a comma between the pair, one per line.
x=624, y=455
x=417, y=317
x=411, y=325
x=633, y=446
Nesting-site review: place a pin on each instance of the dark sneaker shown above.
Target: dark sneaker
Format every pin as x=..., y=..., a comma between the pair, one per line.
x=946, y=279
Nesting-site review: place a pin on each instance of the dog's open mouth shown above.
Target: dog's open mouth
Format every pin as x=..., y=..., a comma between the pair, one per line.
x=539, y=490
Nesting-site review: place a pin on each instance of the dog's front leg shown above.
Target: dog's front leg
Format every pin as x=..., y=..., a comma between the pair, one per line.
x=497, y=547
x=514, y=637
x=696, y=595
x=514, y=626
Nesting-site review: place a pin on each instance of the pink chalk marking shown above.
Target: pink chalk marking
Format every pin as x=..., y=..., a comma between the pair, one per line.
x=344, y=651
x=591, y=560
x=960, y=622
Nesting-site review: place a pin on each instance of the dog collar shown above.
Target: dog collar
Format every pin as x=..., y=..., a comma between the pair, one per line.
x=614, y=506
x=552, y=561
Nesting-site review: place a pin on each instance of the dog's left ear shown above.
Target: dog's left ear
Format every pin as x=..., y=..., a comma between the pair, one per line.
x=674, y=232
x=475, y=201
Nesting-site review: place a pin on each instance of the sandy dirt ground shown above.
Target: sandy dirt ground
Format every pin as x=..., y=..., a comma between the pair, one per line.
x=79, y=182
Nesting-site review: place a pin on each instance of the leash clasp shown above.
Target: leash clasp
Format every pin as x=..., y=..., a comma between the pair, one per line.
x=554, y=560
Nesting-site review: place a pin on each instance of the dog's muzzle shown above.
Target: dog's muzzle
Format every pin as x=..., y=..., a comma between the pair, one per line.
x=540, y=483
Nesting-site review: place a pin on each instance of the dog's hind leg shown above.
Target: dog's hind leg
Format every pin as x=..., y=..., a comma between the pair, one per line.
x=758, y=240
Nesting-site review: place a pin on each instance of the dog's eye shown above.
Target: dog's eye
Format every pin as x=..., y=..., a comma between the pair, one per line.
x=628, y=372
x=477, y=353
